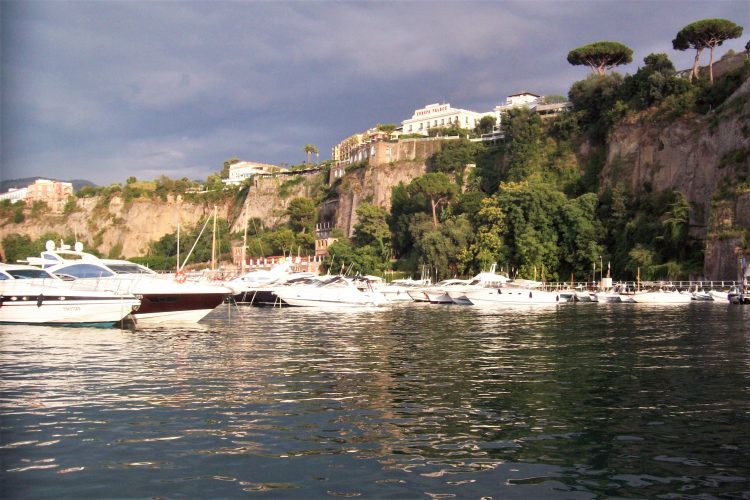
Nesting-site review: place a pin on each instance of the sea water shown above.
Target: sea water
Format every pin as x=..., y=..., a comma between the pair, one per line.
x=407, y=401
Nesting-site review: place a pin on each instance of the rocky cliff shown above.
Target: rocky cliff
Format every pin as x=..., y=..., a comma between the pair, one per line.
x=699, y=156
x=126, y=228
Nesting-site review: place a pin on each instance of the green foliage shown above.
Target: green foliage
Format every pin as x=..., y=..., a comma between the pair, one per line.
x=706, y=33
x=435, y=188
x=485, y=126
x=601, y=56
x=70, y=205
x=592, y=98
x=302, y=214
x=286, y=187
x=39, y=208
x=17, y=247
x=454, y=155
x=442, y=249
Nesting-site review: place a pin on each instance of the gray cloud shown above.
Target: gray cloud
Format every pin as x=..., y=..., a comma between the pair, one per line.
x=105, y=90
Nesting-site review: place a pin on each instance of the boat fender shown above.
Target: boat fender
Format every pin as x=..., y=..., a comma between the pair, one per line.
x=557, y=298
x=180, y=277
x=2, y=299
x=39, y=300
x=529, y=294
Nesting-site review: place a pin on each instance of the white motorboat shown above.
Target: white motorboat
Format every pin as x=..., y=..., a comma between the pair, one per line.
x=164, y=298
x=662, y=297
x=457, y=293
x=512, y=295
x=398, y=290
x=608, y=296
x=719, y=296
x=438, y=294
x=257, y=287
x=30, y=295
x=337, y=291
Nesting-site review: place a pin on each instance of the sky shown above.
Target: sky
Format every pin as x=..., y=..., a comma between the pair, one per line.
x=105, y=90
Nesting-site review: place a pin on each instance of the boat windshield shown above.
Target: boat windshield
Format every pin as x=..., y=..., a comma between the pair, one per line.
x=26, y=274
x=84, y=271
x=129, y=268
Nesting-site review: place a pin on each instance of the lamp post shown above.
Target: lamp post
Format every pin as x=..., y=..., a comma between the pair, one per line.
x=601, y=269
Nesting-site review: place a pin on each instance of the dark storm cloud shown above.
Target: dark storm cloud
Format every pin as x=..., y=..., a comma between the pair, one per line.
x=105, y=90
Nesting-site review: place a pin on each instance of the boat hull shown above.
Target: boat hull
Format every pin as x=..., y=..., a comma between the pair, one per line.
x=492, y=296
x=65, y=310
x=180, y=307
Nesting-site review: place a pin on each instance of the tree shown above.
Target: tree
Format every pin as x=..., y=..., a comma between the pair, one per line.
x=371, y=227
x=436, y=187
x=601, y=56
x=227, y=164
x=747, y=49
x=302, y=215
x=309, y=149
x=386, y=127
x=454, y=156
x=486, y=125
x=705, y=33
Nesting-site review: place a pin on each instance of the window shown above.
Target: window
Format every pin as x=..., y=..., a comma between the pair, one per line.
x=25, y=274
x=84, y=271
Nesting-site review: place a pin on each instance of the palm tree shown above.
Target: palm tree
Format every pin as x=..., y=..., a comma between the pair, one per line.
x=309, y=149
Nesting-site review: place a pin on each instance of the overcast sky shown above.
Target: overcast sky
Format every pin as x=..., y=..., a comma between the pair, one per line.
x=104, y=90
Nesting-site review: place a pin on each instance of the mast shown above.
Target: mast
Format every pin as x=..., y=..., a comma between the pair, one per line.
x=244, y=245
x=213, y=244
x=178, y=246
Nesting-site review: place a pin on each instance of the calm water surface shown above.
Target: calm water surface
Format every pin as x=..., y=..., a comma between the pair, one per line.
x=572, y=401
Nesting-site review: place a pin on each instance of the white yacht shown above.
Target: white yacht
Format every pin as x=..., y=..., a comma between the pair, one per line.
x=30, y=295
x=164, y=298
x=514, y=292
x=457, y=293
x=337, y=291
x=662, y=297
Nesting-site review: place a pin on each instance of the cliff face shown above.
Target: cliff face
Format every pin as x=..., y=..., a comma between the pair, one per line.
x=689, y=155
x=128, y=226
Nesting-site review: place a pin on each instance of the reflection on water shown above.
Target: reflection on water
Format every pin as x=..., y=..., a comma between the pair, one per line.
x=567, y=401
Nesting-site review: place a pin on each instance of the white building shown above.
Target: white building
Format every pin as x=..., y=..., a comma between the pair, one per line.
x=440, y=115
x=14, y=194
x=515, y=101
x=242, y=170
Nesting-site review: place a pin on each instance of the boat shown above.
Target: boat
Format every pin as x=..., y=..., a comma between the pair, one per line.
x=164, y=297
x=457, y=292
x=337, y=291
x=257, y=287
x=662, y=297
x=514, y=292
x=398, y=290
x=29, y=295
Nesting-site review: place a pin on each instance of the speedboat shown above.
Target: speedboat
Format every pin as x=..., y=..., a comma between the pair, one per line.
x=30, y=295
x=438, y=293
x=514, y=292
x=337, y=291
x=164, y=298
x=662, y=297
x=398, y=290
x=257, y=287
x=457, y=292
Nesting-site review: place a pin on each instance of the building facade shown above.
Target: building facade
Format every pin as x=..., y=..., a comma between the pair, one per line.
x=240, y=171
x=14, y=195
x=440, y=116
x=54, y=193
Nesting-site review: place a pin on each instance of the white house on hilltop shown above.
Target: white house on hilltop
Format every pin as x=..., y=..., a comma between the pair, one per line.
x=242, y=170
